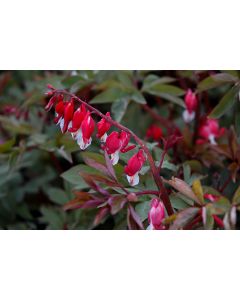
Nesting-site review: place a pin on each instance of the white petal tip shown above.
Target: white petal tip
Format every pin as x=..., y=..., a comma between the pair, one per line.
x=133, y=180
x=188, y=117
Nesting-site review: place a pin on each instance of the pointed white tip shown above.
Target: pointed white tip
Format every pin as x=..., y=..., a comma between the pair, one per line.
x=133, y=180
x=188, y=117
x=103, y=138
x=212, y=139
x=115, y=158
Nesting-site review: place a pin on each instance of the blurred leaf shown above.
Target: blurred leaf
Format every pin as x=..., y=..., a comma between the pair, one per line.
x=109, y=96
x=183, y=188
x=198, y=191
x=208, y=220
x=137, y=97
x=179, y=201
x=117, y=203
x=166, y=91
x=53, y=217
x=142, y=210
x=119, y=108
x=57, y=195
x=7, y=146
x=15, y=126
x=236, y=196
x=216, y=80
x=73, y=175
x=184, y=217
x=152, y=80
x=133, y=219
x=225, y=104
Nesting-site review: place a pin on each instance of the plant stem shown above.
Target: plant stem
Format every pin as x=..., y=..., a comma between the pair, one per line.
x=154, y=170
x=162, y=159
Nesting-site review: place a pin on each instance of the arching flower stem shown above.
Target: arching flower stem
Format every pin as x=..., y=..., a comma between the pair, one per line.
x=157, y=178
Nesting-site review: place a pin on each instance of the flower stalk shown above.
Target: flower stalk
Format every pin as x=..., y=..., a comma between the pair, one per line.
x=157, y=178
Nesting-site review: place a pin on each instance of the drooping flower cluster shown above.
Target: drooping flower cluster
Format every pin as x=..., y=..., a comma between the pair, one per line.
x=191, y=102
x=156, y=215
x=209, y=130
x=79, y=122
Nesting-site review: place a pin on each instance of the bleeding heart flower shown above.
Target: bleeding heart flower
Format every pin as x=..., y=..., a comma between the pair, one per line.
x=154, y=132
x=59, y=110
x=77, y=119
x=68, y=115
x=156, y=215
x=103, y=126
x=133, y=167
x=117, y=142
x=191, y=105
x=210, y=130
x=83, y=135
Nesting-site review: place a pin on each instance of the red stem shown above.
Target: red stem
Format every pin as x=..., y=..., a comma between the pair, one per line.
x=154, y=170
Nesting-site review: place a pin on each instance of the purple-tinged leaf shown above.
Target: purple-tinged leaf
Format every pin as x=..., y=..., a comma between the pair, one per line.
x=109, y=166
x=184, y=217
x=133, y=219
x=117, y=203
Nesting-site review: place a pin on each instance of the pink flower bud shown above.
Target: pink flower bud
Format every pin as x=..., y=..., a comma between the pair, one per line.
x=191, y=105
x=50, y=87
x=51, y=103
x=156, y=214
x=210, y=130
x=134, y=166
x=103, y=126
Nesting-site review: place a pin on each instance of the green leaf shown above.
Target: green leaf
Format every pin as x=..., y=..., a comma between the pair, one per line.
x=119, y=108
x=216, y=80
x=184, y=217
x=53, y=217
x=152, y=80
x=178, y=201
x=73, y=175
x=236, y=196
x=158, y=89
x=173, y=99
x=7, y=146
x=109, y=96
x=57, y=195
x=225, y=104
x=137, y=97
x=142, y=210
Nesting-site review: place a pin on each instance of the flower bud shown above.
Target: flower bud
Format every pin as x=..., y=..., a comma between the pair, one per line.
x=156, y=214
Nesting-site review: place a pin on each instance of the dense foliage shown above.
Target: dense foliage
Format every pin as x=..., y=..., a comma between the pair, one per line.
x=166, y=156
